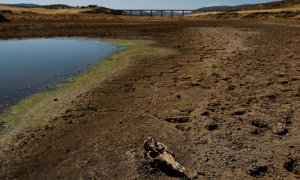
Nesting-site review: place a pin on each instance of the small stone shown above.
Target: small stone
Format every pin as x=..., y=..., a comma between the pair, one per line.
x=259, y=123
x=280, y=129
x=239, y=112
x=212, y=127
x=178, y=119
x=292, y=165
x=255, y=131
x=206, y=113
x=258, y=171
x=182, y=127
x=186, y=76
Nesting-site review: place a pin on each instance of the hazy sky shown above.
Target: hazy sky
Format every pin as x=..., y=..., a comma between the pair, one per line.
x=144, y=4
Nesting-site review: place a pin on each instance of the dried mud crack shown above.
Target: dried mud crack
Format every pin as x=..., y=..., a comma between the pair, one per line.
x=227, y=104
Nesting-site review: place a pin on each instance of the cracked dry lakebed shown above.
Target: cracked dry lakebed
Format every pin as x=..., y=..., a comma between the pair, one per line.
x=224, y=96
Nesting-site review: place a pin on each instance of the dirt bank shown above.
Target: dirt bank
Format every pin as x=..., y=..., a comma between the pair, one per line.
x=227, y=104
x=3, y=19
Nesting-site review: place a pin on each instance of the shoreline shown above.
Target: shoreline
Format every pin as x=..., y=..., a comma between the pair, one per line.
x=51, y=86
x=24, y=113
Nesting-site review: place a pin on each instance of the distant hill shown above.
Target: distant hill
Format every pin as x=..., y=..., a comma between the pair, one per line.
x=276, y=4
x=103, y=10
x=56, y=6
x=52, y=6
x=25, y=5
x=224, y=8
x=269, y=5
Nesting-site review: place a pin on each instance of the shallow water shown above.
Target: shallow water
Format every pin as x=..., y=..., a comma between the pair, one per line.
x=30, y=66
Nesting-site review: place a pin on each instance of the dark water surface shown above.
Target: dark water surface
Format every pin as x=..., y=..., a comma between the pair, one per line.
x=30, y=66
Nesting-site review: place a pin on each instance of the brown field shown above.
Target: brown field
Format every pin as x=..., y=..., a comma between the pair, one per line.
x=224, y=95
x=19, y=13
x=253, y=14
x=42, y=10
x=73, y=14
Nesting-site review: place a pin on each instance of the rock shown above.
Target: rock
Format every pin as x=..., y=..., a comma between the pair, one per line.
x=212, y=126
x=178, y=96
x=185, y=77
x=182, y=127
x=205, y=113
x=178, y=119
x=3, y=19
x=162, y=158
x=258, y=171
x=280, y=129
x=239, y=112
x=259, y=123
x=292, y=165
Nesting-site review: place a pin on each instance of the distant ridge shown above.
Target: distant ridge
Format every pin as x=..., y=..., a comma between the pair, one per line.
x=277, y=4
x=225, y=8
x=25, y=5
x=52, y=6
x=269, y=5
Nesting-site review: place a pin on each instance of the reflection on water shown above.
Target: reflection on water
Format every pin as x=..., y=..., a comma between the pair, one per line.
x=30, y=66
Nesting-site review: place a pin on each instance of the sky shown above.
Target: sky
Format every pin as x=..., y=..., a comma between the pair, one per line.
x=141, y=4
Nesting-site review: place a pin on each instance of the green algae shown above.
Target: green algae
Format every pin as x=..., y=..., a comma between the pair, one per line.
x=38, y=109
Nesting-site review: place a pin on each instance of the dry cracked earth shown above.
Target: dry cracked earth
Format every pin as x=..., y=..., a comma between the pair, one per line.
x=227, y=104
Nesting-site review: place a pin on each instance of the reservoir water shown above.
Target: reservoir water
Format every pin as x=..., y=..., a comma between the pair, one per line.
x=29, y=66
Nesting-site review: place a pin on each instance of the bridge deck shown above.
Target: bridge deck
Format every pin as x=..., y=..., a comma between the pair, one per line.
x=150, y=12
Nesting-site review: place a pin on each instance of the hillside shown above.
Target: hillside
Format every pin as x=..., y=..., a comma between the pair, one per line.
x=275, y=5
x=269, y=5
x=52, y=6
x=288, y=9
x=24, y=5
x=224, y=8
x=103, y=10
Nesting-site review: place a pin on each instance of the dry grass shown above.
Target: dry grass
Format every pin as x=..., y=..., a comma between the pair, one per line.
x=20, y=13
x=244, y=13
x=74, y=14
x=43, y=10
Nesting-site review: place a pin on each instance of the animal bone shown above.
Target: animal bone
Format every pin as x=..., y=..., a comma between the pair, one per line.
x=161, y=157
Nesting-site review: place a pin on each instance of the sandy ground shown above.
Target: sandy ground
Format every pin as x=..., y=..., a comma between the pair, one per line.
x=227, y=104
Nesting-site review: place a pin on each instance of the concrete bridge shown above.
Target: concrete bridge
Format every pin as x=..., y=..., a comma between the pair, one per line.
x=158, y=12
